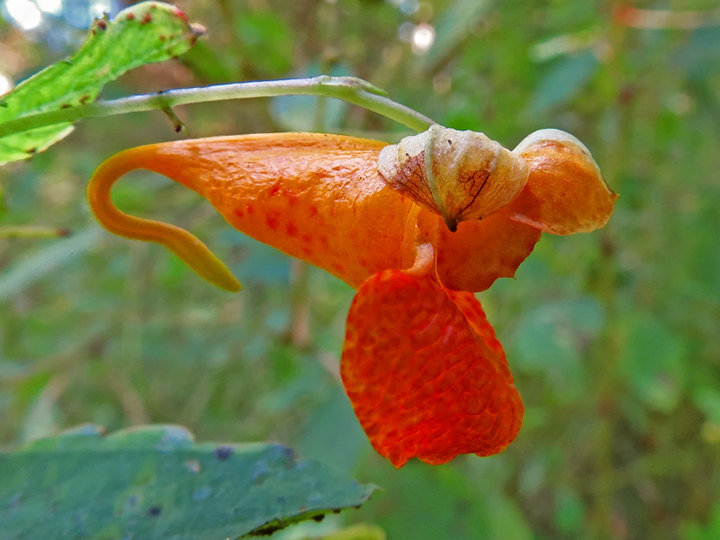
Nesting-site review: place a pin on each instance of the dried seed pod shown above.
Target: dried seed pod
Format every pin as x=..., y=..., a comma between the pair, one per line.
x=460, y=175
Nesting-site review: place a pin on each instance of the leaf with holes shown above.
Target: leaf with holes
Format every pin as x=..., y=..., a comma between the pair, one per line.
x=155, y=482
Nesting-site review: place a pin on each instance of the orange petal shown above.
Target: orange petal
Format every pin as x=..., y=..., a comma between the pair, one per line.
x=479, y=252
x=421, y=380
x=565, y=192
x=475, y=315
x=316, y=197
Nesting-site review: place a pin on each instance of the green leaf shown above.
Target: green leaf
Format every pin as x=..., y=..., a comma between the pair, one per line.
x=569, y=512
x=707, y=399
x=142, y=34
x=551, y=338
x=564, y=80
x=31, y=268
x=455, y=24
x=268, y=41
x=155, y=482
x=359, y=531
x=653, y=362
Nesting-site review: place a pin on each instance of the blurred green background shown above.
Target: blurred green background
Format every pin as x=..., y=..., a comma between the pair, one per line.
x=613, y=337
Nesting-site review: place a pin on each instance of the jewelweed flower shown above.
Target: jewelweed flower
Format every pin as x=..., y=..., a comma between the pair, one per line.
x=416, y=228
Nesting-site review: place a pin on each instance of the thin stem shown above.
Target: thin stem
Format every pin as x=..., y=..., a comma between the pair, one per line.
x=349, y=89
x=32, y=231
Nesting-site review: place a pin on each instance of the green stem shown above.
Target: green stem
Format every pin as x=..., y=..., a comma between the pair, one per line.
x=349, y=89
x=32, y=231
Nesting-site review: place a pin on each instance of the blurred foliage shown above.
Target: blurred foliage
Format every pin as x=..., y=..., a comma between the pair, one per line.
x=612, y=336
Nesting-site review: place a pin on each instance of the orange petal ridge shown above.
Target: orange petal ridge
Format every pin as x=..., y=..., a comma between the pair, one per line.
x=421, y=380
x=565, y=192
x=481, y=251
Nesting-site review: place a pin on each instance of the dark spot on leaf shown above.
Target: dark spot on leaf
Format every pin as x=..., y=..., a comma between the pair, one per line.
x=147, y=18
x=162, y=38
x=65, y=106
x=3, y=103
x=84, y=99
x=31, y=150
x=102, y=25
x=336, y=511
x=131, y=17
x=223, y=452
x=266, y=530
x=288, y=456
x=154, y=511
x=318, y=518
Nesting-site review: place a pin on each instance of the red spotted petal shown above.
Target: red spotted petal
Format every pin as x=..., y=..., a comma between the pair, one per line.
x=421, y=379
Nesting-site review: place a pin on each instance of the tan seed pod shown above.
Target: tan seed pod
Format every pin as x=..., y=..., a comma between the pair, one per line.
x=460, y=175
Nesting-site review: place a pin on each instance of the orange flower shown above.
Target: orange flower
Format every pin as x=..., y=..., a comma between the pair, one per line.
x=421, y=364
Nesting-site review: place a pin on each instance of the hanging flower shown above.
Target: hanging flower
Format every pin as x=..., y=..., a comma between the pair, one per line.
x=416, y=228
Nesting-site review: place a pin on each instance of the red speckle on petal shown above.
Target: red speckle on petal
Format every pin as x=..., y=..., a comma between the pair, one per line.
x=239, y=213
x=291, y=229
x=272, y=219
